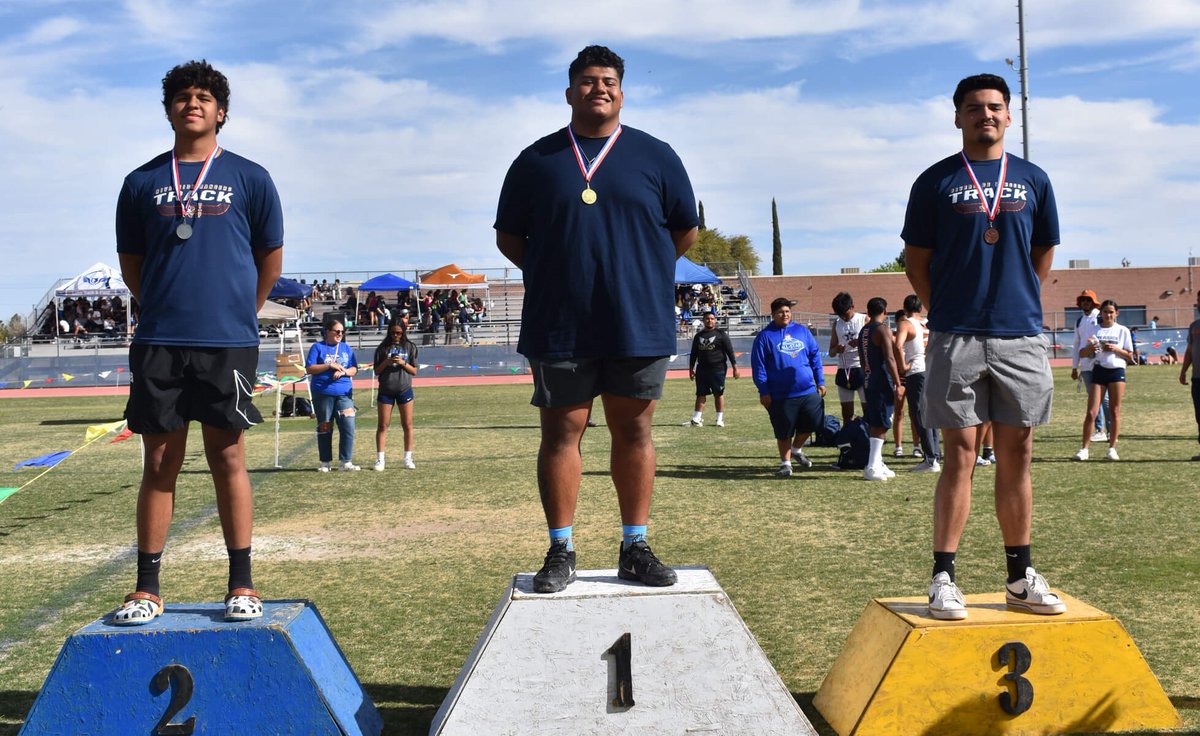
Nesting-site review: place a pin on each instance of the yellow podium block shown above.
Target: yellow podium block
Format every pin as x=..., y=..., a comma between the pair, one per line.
x=996, y=672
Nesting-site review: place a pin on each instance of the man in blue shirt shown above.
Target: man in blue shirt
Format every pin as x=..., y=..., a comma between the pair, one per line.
x=595, y=216
x=200, y=241
x=979, y=238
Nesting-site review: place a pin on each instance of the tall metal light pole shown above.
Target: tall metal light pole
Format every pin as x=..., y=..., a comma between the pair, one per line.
x=1024, y=70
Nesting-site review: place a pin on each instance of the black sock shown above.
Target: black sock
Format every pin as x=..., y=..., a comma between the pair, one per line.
x=988, y=452
x=944, y=562
x=239, y=568
x=147, y=571
x=1017, y=558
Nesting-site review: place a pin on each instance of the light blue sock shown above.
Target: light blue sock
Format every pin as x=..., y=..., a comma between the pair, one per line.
x=563, y=534
x=631, y=533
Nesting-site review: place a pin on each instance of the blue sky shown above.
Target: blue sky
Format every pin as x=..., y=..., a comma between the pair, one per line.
x=388, y=127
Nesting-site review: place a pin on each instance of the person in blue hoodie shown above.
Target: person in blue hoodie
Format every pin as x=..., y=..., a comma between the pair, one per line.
x=786, y=365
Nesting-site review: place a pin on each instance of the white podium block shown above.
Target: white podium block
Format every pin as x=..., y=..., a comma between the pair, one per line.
x=606, y=656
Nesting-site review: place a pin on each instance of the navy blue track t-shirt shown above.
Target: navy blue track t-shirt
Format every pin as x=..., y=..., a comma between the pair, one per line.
x=202, y=291
x=977, y=288
x=599, y=278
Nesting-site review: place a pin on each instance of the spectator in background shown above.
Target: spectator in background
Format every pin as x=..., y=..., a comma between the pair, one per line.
x=843, y=344
x=1191, y=358
x=332, y=365
x=1112, y=348
x=395, y=365
x=1153, y=322
x=786, y=364
x=1170, y=357
x=711, y=349
x=912, y=337
x=1081, y=366
x=898, y=410
x=876, y=348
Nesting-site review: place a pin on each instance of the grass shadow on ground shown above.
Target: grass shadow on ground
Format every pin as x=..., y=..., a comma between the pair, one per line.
x=406, y=709
x=14, y=704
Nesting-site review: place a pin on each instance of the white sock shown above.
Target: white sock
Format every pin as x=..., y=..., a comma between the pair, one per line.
x=408, y=455
x=875, y=458
x=696, y=415
x=797, y=450
x=379, y=457
x=720, y=416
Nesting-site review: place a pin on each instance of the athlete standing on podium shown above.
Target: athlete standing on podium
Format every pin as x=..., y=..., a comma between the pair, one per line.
x=595, y=216
x=200, y=241
x=979, y=239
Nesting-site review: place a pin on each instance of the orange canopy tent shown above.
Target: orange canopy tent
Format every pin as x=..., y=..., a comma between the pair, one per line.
x=451, y=276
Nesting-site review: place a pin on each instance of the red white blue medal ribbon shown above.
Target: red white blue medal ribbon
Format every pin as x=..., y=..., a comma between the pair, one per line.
x=589, y=196
x=992, y=234
x=185, y=209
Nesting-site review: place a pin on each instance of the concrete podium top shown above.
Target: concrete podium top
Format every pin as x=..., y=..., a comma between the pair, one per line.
x=605, y=583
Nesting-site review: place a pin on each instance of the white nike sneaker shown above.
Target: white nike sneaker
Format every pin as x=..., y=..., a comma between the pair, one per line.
x=1112, y=454
x=720, y=422
x=899, y=451
x=379, y=465
x=981, y=460
x=928, y=465
x=1082, y=454
x=408, y=463
x=1032, y=593
x=323, y=468
x=945, y=599
x=695, y=423
x=875, y=473
x=887, y=471
x=349, y=466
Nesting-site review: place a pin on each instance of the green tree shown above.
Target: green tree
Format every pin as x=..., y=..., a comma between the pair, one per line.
x=702, y=226
x=892, y=266
x=713, y=247
x=776, y=242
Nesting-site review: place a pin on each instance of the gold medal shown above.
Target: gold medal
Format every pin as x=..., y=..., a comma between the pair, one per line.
x=588, y=196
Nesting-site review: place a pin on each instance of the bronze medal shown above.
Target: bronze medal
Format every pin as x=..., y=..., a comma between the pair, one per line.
x=991, y=236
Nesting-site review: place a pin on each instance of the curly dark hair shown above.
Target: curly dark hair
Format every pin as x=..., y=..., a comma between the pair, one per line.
x=596, y=56
x=980, y=81
x=842, y=302
x=198, y=74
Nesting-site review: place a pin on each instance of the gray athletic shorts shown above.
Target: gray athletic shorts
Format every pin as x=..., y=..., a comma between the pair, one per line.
x=571, y=381
x=971, y=379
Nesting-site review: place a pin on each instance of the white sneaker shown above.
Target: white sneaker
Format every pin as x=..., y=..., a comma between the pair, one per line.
x=1032, y=593
x=408, y=463
x=348, y=466
x=1082, y=454
x=323, y=468
x=981, y=460
x=720, y=422
x=696, y=423
x=917, y=452
x=785, y=470
x=379, y=465
x=926, y=466
x=799, y=457
x=875, y=473
x=945, y=599
x=1112, y=454
x=1100, y=436
x=899, y=451
x=887, y=471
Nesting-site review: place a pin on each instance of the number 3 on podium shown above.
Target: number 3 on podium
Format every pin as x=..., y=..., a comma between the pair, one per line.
x=1016, y=655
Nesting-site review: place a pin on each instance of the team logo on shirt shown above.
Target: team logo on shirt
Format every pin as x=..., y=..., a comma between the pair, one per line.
x=212, y=199
x=708, y=343
x=965, y=198
x=791, y=346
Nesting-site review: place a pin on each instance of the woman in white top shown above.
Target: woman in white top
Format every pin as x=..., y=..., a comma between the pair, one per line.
x=1111, y=345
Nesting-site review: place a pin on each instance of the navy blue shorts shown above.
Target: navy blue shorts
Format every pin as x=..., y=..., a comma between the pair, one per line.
x=796, y=415
x=880, y=406
x=709, y=381
x=403, y=397
x=1105, y=376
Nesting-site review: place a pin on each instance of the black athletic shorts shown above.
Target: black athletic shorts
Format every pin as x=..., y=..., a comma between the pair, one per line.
x=172, y=385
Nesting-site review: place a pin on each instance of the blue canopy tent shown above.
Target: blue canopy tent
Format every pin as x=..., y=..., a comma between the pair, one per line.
x=687, y=272
x=389, y=282
x=286, y=288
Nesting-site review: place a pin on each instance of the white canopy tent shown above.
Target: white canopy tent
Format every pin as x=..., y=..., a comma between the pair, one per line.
x=100, y=279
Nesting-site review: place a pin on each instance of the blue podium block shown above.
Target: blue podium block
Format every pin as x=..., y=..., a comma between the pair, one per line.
x=191, y=672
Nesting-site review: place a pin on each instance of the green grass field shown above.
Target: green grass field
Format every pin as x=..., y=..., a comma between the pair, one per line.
x=406, y=566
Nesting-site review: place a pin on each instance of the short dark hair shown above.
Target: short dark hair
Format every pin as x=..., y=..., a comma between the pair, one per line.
x=912, y=303
x=199, y=74
x=1107, y=302
x=876, y=306
x=596, y=56
x=842, y=302
x=980, y=81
